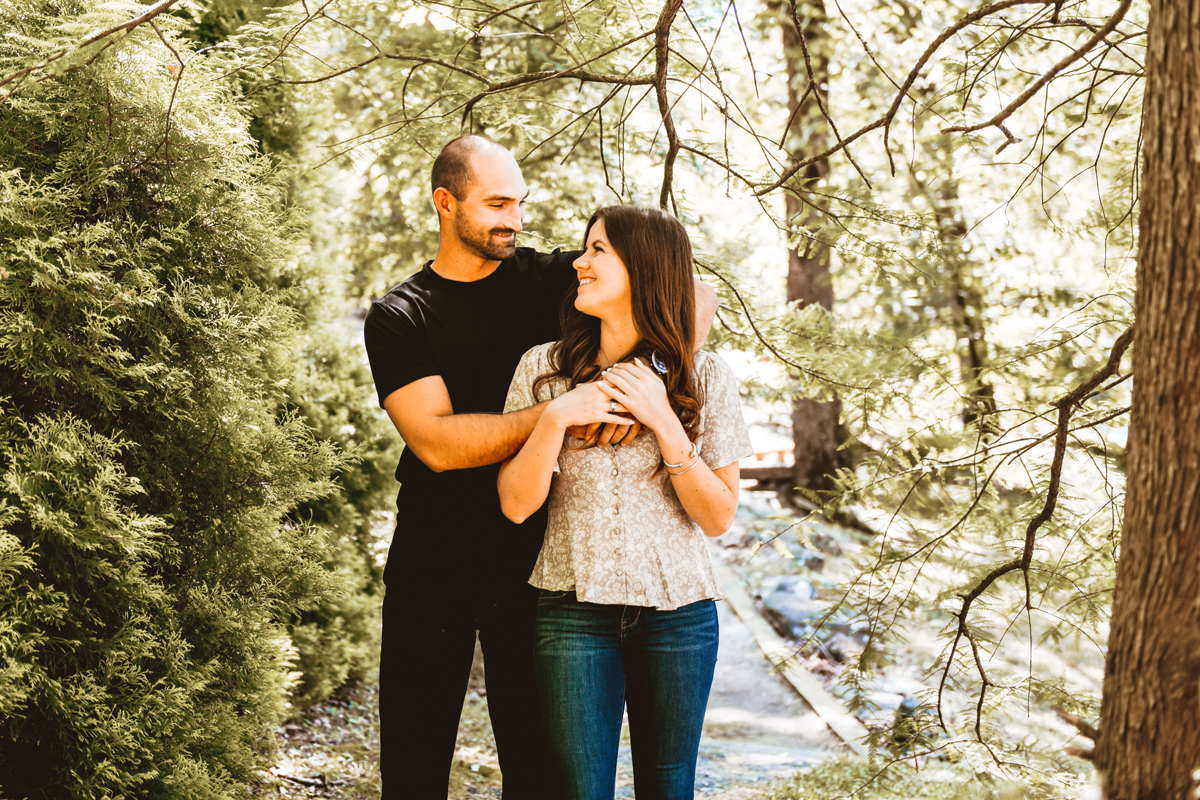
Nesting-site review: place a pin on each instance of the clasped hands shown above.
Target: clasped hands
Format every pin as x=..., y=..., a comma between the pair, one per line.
x=629, y=390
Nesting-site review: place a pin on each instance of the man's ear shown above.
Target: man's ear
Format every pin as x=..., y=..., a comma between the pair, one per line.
x=444, y=202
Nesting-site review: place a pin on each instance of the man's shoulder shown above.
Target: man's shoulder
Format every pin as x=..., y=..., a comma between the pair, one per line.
x=539, y=264
x=403, y=297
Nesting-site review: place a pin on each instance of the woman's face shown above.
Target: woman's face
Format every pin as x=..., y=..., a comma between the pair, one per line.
x=603, y=279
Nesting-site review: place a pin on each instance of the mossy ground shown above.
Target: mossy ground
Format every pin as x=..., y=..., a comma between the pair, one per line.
x=332, y=750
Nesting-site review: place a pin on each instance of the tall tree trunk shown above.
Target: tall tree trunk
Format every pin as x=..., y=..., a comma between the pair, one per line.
x=966, y=306
x=816, y=431
x=1149, y=740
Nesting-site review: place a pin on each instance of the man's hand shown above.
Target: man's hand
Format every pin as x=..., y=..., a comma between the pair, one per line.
x=621, y=435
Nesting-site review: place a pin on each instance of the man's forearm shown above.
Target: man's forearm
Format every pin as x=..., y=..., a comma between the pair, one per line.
x=460, y=441
x=706, y=310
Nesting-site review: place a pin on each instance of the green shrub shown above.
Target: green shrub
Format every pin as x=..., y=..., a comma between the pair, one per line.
x=150, y=474
x=338, y=638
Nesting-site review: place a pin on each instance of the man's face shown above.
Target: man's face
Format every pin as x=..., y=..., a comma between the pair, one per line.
x=488, y=219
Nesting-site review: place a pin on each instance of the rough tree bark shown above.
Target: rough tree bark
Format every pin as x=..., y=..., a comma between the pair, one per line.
x=1149, y=739
x=816, y=430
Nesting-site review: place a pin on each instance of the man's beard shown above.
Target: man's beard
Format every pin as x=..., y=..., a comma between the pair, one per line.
x=481, y=242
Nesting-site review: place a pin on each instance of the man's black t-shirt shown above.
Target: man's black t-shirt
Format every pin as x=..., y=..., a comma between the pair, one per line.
x=472, y=334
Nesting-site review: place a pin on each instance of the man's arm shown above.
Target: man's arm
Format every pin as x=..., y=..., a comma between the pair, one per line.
x=706, y=311
x=424, y=416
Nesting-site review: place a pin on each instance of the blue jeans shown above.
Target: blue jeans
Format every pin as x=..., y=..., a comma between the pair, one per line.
x=590, y=660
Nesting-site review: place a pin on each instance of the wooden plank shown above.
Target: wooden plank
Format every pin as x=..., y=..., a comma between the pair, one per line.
x=777, y=651
x=766, y=473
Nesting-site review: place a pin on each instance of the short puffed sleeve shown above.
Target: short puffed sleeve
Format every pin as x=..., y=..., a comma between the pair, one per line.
x=535, y=362
x=723, y=436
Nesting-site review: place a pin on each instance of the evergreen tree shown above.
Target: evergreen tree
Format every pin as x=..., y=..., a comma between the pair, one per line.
x=336, y=637
x=150, y=543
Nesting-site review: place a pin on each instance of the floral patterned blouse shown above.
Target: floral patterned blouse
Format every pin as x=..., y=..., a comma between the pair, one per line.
x=617, y=533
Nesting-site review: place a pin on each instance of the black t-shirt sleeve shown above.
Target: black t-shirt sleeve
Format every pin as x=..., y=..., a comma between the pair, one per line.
x=562, y=273
x=397, y=347
x=561, y=281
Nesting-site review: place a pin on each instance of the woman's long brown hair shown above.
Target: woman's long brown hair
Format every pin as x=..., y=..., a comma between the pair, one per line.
x=657, y=254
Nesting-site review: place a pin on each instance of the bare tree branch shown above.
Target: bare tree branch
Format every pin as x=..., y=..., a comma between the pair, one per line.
x=815, y=89
x=998, y=120
x=914, y=73
x=662, y=41
x=578, y=73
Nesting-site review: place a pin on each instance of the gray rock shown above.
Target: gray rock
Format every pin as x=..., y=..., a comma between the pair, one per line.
x=793, y=610
x=790, y=608
x=796, y=585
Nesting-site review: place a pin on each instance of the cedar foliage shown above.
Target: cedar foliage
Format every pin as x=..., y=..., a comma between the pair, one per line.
x=159, y=482
x=336, y=637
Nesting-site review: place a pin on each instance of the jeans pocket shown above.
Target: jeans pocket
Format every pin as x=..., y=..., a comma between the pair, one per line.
x=551, y=596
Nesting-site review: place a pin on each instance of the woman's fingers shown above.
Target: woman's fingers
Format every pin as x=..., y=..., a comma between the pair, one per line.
x=590, y=406
x=614, y=393
x=619, y=381
x=636, y=371
x=649, y=373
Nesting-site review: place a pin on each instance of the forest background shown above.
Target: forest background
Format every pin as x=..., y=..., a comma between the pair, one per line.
x=922, y=220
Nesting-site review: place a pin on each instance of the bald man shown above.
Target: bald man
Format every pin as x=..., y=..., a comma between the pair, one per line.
x=443, y=346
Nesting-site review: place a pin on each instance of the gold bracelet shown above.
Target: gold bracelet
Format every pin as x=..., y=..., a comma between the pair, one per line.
x=694, y=463
x=691, y=454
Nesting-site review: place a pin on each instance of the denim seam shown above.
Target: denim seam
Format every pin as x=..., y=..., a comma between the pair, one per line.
x=625, y=628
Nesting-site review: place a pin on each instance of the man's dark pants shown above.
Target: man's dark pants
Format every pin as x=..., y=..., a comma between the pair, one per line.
x=429, y=627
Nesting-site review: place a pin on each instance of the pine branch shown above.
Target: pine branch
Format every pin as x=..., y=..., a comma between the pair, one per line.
x=762, y=339
x=178, y=74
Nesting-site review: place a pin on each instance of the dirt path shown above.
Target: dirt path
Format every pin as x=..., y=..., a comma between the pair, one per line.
x=756, y=729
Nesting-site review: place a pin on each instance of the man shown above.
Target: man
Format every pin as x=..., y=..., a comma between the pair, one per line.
x=443, y=346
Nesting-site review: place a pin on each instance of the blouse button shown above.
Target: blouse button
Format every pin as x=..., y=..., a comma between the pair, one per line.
x=614, y=473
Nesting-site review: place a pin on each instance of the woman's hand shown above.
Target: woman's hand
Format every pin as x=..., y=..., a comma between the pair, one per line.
x=584, y=405
x=637, y=388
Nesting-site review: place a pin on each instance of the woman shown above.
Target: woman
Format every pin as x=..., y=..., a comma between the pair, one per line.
x=626, y=612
